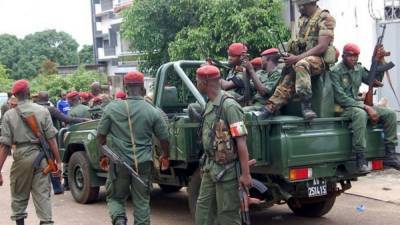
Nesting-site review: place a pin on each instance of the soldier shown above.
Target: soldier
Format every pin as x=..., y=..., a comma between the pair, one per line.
x=309, y=55
x=234, y=82
x=219, y=198
x=25, y=179
x=146, y=121
x=266, y=79
x=347, y=77
x=85, y=98
x=77, y=109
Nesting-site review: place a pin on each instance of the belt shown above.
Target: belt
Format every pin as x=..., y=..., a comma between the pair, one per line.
x=25, y=144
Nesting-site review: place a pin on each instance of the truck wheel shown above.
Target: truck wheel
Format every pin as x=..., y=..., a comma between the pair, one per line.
x=79, y=179
x=169, y=188
x=193, y=191
x=312, y=209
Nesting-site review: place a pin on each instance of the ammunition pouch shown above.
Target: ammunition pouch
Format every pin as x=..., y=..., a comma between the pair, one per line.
x=224, y=148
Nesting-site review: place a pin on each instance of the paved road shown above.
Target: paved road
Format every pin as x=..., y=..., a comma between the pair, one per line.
x=171, y=209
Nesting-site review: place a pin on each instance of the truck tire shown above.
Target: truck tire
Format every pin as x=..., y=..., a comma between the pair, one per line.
x=193, y=191
x=79, y=179
x=313, y=209
x=169, y=188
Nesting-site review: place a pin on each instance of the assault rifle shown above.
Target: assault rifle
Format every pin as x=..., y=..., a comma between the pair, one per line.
x=376, y=67
x=244, y=198
x=117, y=159
x=31, y=122
x=246, y=82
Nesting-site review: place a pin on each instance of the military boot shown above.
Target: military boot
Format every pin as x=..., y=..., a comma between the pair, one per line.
x=264, y=113
x=362, y=165
x=66, y=184
x=20, y=222
x=120, y=220
x=306, y=108
x=391, y=159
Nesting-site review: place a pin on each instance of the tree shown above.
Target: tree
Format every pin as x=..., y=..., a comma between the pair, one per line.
x=150, y=25
x=48, y=67
x=86, y=55
x=5, y=81
x=10, y=50
x=58, y=47
x=167, y=30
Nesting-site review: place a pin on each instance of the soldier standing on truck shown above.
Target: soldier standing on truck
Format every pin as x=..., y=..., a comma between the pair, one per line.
x=129, y=125
x=25, y=179
x=310, y=53
x=218, y=198
x=347, y=77
x=266, y=79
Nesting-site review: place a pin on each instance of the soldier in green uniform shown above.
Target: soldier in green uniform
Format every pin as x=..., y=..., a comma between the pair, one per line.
x=234, y=82
x=264, y=80
x=347, y=77
x=114, y=124
x=219, y=199
x=77, y=109
x=25, y=179
x=310, y=53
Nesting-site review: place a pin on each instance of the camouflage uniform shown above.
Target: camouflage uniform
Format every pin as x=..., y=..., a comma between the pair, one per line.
x=24, y=178
x=310, y=29
x=346, y=84
x=269, y=81
x=146, y=120
x=219, y=199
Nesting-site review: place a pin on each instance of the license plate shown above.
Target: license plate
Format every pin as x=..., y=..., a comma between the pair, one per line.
x=317, y=187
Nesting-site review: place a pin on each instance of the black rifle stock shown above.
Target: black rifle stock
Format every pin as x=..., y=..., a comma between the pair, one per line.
x=118, y=160
x=244, y=199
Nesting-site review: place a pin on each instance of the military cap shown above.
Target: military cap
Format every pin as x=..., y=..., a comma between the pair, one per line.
x=270, y=51
x=237, y=49
x=208, y=72
x=134, y=77
x=72, y=94
x=256, y=62
x=19, y=85
x=84, y=95
x=302, y=2
x=352, y=49
x=97, y=99
x=120, y=94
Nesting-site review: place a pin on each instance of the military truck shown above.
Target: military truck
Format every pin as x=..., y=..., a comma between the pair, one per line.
x=304, y=164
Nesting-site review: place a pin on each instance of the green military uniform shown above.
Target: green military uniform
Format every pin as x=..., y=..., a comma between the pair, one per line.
x=147, y=121
x=310, y=29
x=24, y=178
x=346, y=84
x=79, y=110
x=219, y=199
x=269, y=80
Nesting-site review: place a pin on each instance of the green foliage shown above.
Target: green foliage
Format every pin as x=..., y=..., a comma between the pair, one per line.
x=150, y=25
x=5, y=81
x=166, y=30
x=86, y=55
x=24, y=57
x=54, y=84
x=48, y=67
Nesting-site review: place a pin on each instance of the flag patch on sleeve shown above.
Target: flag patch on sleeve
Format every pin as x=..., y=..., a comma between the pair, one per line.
x=238, y=129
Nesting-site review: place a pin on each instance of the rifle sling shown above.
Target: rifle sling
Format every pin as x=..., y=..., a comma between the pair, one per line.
x=132, y=136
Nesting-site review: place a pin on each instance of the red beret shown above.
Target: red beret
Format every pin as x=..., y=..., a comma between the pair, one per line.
x=19, y=85
x=256, y=62
x=72, y=94
x=270, y=51
x=134, y=77
x=84, y=95
x=237, y=49
x=351, y=48
x=207, y=72
x=120, y=94
x=97, y=99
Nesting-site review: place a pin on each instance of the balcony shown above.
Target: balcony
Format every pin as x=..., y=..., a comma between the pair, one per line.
x=121, y=5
